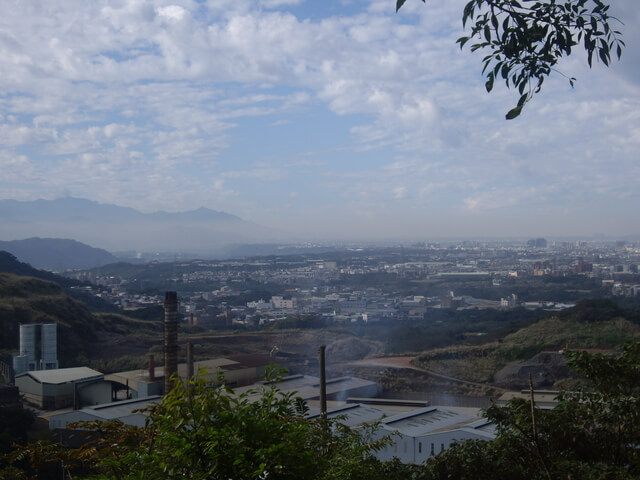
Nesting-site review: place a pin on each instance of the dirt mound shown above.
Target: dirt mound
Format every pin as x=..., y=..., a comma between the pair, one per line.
x=544, y=368
x=347, y=349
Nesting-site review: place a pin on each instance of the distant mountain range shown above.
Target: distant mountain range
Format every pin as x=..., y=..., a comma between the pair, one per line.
x=57, y=254
x=118, y=228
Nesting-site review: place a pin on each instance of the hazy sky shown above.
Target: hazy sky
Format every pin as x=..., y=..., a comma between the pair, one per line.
x=334, y=118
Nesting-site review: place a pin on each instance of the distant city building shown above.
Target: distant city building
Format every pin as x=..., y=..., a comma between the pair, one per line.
x=38, y=348
x=537, y=243
x=509, y=302
x=283, y=303
x=583, y=267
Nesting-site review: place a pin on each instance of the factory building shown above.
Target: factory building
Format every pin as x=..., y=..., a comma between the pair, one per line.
x=417, y=434
x=63, y=387
x=125, y=411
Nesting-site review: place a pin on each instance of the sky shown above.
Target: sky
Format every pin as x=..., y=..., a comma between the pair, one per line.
x=320, y=119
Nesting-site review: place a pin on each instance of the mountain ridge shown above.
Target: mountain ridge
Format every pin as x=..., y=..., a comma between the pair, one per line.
x=115, y=228
x=57, y=254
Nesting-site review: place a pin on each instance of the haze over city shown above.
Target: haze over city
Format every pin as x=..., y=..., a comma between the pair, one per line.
x=327, y=120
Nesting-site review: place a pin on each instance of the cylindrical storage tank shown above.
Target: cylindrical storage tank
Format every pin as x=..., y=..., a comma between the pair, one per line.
x=28, y=342
x=20, y=364
x=49, y=343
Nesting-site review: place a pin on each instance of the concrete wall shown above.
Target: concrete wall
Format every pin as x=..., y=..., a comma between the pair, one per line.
x=418, y=449
x=95, y=393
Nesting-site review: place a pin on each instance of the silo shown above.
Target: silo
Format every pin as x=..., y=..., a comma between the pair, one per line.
x=28, y=345
x=49, y=358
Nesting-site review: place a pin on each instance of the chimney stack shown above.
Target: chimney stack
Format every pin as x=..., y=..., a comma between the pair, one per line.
x=170, y=338
x=323, y=381
x=152, y=368
x=189, y=361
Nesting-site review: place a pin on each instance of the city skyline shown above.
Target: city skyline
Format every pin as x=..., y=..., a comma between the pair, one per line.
x=329, y=120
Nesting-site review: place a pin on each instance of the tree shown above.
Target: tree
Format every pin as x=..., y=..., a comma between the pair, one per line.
x=591, y=434
x=202, y=431
x=526, y=39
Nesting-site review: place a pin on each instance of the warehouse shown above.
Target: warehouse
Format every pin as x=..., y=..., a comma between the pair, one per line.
x=62, y=387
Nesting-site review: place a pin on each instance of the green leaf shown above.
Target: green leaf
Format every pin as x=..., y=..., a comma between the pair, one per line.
x=489, y=84
x=513, y=113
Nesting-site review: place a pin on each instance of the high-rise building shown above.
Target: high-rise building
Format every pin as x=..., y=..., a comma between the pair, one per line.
x=38, y=348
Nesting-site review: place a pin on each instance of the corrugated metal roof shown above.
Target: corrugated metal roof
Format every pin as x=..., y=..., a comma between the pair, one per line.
x=63, y=375
x=115, y=410
x=307, y=386
x=351, y=415
x=426, y=420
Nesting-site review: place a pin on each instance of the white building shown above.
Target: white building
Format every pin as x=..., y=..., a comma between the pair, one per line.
x=416, y=435
x=425, y=432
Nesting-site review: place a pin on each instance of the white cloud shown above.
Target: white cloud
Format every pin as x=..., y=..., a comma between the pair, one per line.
x=116, y=99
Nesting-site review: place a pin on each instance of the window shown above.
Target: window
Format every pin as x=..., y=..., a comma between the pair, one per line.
x=433, y=450
x=419, y=447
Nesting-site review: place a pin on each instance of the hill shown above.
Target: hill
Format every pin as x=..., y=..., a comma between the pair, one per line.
x=591, y=324
x=10, y=264
x=82, y=335
x=31, y=300
x=57, y=254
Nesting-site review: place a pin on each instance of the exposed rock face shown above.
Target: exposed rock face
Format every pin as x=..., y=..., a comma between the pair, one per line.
x=545, y=368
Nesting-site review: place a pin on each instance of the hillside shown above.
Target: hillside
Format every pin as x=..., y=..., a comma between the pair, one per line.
x=57, y=254
x=592, y=324
x=31, y=300
x=10, y=264
x=81, y=334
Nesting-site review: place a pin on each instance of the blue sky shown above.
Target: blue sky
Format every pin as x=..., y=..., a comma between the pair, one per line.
x=330, y=120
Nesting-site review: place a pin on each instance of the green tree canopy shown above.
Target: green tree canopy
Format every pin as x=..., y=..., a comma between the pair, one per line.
x=591, y=434
x=525, y=39
x=207, y=432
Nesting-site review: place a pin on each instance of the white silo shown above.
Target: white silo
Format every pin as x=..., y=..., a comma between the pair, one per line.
x=49, y=347
x=28, y=345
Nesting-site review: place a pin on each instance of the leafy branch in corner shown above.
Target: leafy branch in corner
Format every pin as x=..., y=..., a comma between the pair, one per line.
x=526, y=39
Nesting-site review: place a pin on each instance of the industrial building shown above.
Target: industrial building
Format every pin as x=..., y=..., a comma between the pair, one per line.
x=308, y=387
x=38, y=348
x=63, y=387
x=238, y=370
x=126, y=411
x=416, y=434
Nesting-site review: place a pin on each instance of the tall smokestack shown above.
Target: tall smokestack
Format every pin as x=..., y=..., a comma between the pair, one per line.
x=152, y=368
x=170, y=338
x=323, y=381
x=189, y=361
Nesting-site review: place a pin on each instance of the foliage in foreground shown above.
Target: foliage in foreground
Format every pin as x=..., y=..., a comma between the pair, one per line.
x=591, y=434
x=526, y=39
x=207, y=432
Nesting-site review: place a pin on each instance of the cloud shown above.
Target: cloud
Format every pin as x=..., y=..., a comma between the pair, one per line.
x=119, y=101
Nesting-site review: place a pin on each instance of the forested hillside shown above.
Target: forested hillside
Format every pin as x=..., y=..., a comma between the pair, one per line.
x=591, y=324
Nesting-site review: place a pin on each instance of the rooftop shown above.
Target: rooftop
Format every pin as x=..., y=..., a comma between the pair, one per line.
x=63, y=375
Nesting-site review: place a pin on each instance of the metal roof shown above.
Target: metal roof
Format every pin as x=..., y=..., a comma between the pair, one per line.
x=115, y=410
x=426, y=420
x=63, y=375
x=351, y=415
